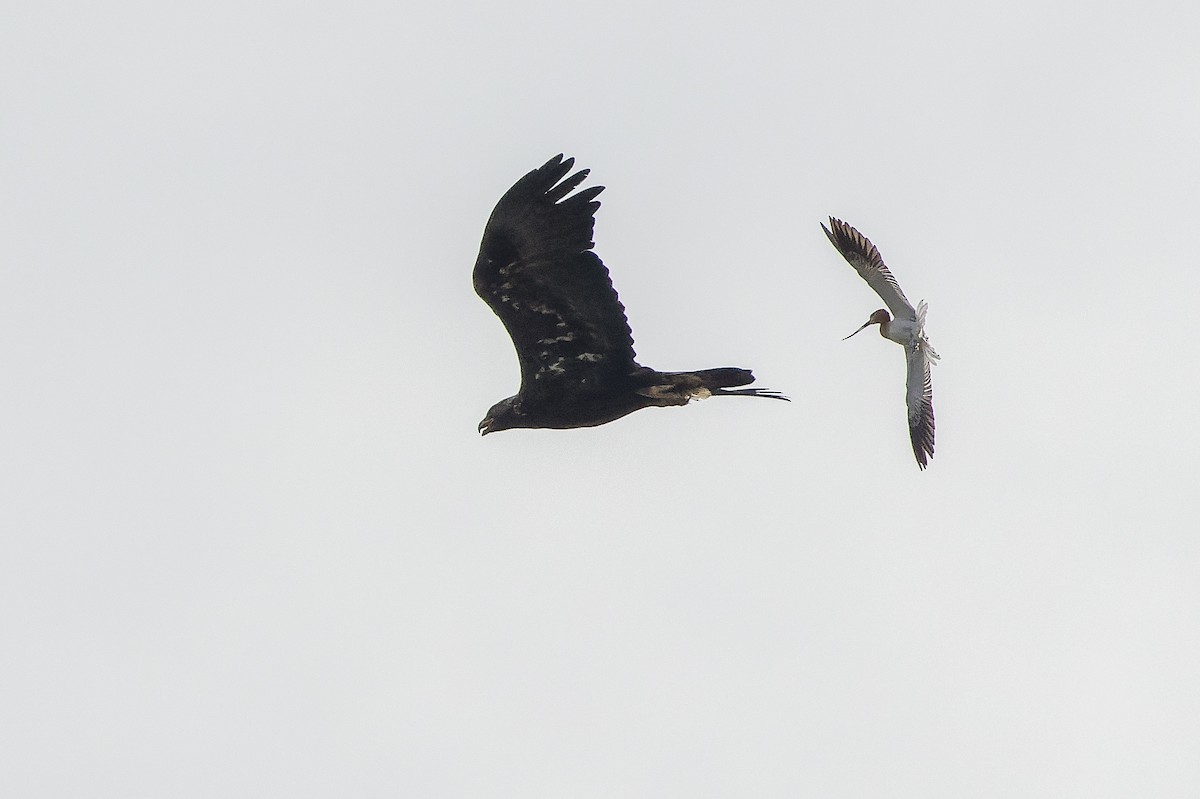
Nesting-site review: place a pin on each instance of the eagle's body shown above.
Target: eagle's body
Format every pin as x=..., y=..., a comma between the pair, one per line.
x=537, y=272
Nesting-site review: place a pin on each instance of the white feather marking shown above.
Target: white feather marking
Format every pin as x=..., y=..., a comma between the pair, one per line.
x=556, y=339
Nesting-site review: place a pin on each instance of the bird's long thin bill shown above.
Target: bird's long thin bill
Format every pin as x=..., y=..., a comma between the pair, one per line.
x=861, y=329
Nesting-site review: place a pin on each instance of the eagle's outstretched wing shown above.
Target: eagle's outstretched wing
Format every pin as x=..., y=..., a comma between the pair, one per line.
x=537, y=272
x=860, y=253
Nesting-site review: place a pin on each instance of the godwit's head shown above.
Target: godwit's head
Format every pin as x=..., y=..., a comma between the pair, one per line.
x=877, y=318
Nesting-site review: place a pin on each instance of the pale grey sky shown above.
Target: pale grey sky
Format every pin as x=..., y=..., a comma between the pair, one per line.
x=253, y=545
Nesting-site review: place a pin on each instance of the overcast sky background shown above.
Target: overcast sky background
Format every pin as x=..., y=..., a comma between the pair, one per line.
x=254, y=546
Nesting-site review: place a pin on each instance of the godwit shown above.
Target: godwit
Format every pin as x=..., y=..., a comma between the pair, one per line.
x=907, y=329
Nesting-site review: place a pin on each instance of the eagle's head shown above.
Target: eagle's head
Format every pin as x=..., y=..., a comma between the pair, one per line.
x=501, y=416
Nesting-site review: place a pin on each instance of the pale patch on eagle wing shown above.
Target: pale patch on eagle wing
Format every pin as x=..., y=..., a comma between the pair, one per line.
x=675, y=393
x=551, y=369
x=570, y=336
x=541, y=307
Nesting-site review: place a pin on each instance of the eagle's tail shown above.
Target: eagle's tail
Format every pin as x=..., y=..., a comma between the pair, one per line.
x=750, y=392
x=711, y=383
x=727, y=377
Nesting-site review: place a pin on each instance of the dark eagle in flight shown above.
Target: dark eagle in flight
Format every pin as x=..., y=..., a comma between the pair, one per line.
x=537, y=271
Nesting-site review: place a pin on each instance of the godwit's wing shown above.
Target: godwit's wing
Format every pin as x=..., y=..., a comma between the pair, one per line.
x=858, y=250
x=920, y=403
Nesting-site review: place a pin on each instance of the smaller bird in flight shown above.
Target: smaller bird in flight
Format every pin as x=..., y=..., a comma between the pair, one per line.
x=907, y=329
x=537, y=272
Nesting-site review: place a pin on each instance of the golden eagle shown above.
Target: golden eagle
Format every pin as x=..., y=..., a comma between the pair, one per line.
x=536, y=270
